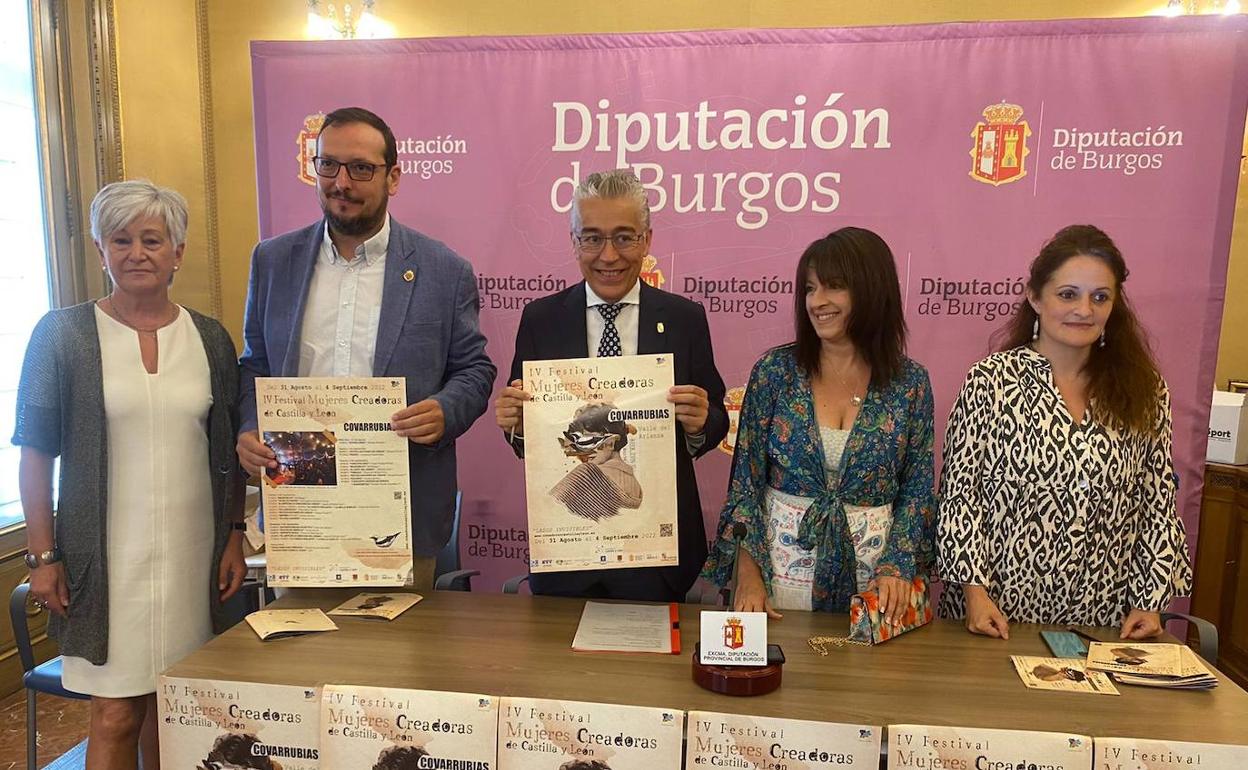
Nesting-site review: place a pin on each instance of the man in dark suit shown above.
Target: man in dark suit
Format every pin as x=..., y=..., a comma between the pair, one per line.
x=612, y=312
x=359, y=295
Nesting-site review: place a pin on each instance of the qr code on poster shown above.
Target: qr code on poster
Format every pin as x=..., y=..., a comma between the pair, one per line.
x=665, y=530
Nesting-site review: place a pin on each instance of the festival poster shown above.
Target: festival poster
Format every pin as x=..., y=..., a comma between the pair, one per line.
x=1147, y=754
x=930, y=746
x=600, y=463
x=1062, y=675
x=206, y=723
x=337, y=509
x=535, y=734
x=765, y=743
x=377, y=606
x=385, y=728
x=1152, y=659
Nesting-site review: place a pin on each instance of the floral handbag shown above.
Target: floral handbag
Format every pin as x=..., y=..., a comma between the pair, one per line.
x=865, y=627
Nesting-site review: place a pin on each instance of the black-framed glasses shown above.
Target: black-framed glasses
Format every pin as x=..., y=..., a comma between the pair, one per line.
x=358, y=170
x=593, y=243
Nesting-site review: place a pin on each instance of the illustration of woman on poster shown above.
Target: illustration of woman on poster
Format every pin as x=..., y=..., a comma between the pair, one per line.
x=1046, y=673
x=603, y=482
x=1130, y=656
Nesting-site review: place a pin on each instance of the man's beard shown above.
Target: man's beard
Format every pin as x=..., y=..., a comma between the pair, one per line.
x=359, y=224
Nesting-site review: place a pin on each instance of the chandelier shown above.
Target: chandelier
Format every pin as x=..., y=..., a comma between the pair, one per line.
x=1193, y=7
x=327, y=22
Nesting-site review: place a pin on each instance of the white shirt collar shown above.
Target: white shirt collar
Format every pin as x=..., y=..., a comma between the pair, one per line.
x=373, y=249
x=633, y=297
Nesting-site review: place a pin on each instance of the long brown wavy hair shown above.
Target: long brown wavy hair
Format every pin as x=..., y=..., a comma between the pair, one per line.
x=856, y=259
x=1122, y=374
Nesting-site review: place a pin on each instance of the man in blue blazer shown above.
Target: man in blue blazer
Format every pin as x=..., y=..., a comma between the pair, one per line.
x=359, y=295
x=612, y=312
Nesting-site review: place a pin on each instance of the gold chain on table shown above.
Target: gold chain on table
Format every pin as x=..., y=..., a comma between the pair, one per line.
x=820, y=643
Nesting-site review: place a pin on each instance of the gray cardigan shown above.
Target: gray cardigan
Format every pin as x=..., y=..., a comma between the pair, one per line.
x=60, y=411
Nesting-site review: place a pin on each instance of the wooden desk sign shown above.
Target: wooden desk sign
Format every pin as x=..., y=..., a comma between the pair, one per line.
x=1145, y=754
x=538, y=734
x=763, y=743
x=920, y=747
x=388, y=727
x=211, y=723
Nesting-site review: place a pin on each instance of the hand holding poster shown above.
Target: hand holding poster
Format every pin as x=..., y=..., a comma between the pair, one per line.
x=600, y=467
x=336, y=507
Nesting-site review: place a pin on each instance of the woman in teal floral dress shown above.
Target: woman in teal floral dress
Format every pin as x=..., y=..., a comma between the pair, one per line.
x=832, y=474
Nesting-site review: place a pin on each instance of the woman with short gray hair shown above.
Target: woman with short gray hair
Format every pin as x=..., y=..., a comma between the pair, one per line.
x=136, y=395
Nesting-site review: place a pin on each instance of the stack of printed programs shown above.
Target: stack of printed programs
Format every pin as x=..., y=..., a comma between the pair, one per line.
x=1154, y=665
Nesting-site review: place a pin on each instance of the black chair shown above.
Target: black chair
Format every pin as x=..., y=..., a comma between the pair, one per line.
x=45, y=677
x=512, y=586
x=447, y=574
x=1206, y=634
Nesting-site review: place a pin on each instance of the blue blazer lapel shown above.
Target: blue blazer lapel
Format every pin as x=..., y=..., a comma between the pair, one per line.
x=402, y=273
x=300, y=266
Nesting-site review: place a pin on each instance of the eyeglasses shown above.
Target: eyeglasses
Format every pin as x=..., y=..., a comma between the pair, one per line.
x=356, y=169
x=593, y=244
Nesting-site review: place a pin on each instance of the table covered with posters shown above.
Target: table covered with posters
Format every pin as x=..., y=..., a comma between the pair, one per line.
x=515, y=645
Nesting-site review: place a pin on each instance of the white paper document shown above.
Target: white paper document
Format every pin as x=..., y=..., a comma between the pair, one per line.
x=628, y=628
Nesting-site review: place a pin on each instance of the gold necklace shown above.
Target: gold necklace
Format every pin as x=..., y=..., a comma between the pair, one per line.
x=854, y=398
x=125, y=322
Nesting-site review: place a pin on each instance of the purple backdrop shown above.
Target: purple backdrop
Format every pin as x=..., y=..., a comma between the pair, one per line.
x=964, y=145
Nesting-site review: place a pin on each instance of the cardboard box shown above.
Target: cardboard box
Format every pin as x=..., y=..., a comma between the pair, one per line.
x=1228, y=429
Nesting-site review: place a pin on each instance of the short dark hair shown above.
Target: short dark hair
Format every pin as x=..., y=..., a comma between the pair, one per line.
x=856, y=259
x=236, y=749
x=584, y=764
x=345, y=115
x=400, y=758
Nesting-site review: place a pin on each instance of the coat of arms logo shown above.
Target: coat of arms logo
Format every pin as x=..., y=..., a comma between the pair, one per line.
x=307, y=147
x=1000, y=152
x=734, y=634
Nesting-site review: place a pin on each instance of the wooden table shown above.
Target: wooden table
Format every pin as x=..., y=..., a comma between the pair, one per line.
x=520, y=646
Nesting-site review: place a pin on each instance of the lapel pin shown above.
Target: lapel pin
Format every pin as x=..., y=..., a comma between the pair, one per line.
x=408, y=276
x=659, y=326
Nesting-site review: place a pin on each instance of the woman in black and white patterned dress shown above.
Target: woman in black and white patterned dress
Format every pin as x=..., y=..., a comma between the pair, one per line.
x=1057, y=500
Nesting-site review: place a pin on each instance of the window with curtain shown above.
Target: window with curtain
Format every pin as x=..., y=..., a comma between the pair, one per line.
x=26, y=228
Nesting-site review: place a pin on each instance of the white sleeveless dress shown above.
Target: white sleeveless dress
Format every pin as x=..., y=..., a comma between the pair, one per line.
x=159, y=525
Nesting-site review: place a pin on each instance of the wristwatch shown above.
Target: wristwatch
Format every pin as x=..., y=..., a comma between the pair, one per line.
x=239, y=525
x=47, y=557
